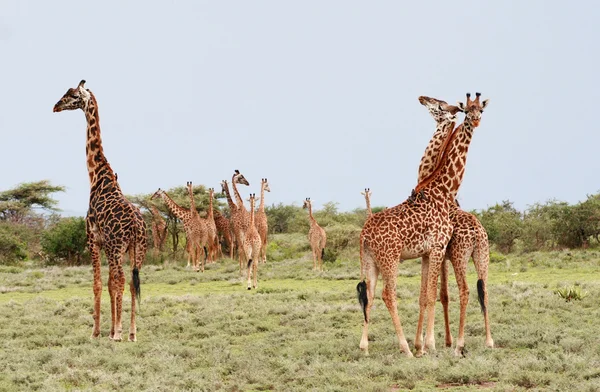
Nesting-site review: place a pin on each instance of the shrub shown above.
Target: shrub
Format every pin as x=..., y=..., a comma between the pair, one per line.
x=13, y=246
x=66, y=241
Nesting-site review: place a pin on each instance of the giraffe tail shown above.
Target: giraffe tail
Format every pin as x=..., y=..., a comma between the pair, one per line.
x=135, y=278
x=322, y=253
x=361, y=289
x=249, y=263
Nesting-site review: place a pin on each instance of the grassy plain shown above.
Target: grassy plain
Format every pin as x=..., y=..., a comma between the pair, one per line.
x=299, y=331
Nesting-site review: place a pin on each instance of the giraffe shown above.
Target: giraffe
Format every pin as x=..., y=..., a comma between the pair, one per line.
x=213, y=239
x=469, y=238
x=224, y=228
x=113, y=223
x=260, y=219
x=418, y=227
x=203, y=228
x=235, y=221
x=367, y=195
x=159, y=229
x=242, y=218
x=252, y=244
x=316, y=236
x=193, y=231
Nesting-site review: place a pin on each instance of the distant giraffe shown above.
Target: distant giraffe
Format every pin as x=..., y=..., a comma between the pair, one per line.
x=316, y=236
x=112, y=223
x=193, y=231
x=469, y=238
x=159, y=229
x=252, y=244
x=260, y=219
x=367, y=195
x=420, y=226
x=224, y=228
x=241, y=219
x=203, y=227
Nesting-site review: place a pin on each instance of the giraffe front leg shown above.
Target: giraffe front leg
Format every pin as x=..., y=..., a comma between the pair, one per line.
x=97, y=288
x=389, y=298
x=119, y=290
x=445, y=299
x=113, y=308
x=435, y=263
x=422, y=306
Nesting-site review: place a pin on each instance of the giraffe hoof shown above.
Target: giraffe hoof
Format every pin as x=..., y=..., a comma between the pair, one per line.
x=132, y=337
x=95, y=335
x=116, y=338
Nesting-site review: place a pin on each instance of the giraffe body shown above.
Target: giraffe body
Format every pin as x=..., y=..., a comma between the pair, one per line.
x=260, y=220
x=420, y=226
x=159, y=229
x=224, y=228
x=469, y=238
x=252, y=244
x=316, y=237
x=240, y=217
x=113, y=224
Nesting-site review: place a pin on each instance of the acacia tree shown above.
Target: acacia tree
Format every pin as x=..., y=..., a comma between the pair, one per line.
x=18, y=203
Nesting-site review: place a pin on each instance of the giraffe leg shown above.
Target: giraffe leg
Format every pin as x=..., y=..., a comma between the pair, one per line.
x=314, y=252
x=435, y=263
x=459, y=262
x=445, y=299
x=249, y=273
x=132, y=327
x=371, y=275
x=97, y=288
x=119, y=289
x=113, y=307
x=389, y=298
x=255, y=268
x=481, y=259
x=422, y=306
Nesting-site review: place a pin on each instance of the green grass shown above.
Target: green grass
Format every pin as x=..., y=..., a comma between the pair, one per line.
x=299, y=331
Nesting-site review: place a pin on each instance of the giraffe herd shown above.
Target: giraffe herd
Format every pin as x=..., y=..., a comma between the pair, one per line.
x=429, y=225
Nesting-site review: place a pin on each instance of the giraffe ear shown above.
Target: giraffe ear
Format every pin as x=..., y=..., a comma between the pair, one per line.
x=461, y=107
x=484, y=104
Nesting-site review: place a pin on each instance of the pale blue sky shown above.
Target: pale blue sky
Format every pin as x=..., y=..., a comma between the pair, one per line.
x=320, y=97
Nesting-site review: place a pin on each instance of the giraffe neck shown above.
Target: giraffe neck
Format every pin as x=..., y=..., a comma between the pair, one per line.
x=156, y=214
x=310, y=215
x=251, y=212
x=176, y=209
x=435, y=148
x=210, y=213
x=97, y=164
x=238, y=198
x=193, y=209
x=261, y=206
x=230, y=202
x=447, y=176
x=368, y=200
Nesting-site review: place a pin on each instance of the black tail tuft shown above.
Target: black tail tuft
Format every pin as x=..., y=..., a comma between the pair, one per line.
x=135, y=278
x=361, y=289
x=322, y=253
x=205, y=253
x=480, y=293
x=249, y=263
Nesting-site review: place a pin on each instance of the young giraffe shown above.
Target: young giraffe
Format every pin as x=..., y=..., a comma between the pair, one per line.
x=203, y=227
x=112, y=222
x=224, y=228
x=242, y=217
x=469, y=238
x=193, y=231
x=260, y=219
x=419, y=227
x=316, y=236
x=159, y=229
x=252, y=244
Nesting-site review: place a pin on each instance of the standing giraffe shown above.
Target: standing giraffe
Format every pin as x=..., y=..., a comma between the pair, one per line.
x=213, y=239
x=159, y=229
x=252, y=244
x=236, y=224
x=469, y=238
x=367, y=195
x=224, y=228
x=112, y=222
x=242, y=217
x=316, y=237
x=260, y=219
x=419, y=227
x=203, y=227
x=193, y=231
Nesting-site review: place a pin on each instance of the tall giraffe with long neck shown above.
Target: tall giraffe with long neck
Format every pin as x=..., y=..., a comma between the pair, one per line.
x=242, y=217
x=469, y=238
x=260, y=219
x=159, y=229
x=202, y=227
x=252, y=244
x=112, y=222
x=193, y=231
x=419, y=227
x=211, y=225
x=316, y=236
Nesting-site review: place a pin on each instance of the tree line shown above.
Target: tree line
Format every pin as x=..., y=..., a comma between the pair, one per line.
x=31, y=227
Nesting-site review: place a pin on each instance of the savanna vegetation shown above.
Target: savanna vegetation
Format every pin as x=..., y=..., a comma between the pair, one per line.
x=300, y=329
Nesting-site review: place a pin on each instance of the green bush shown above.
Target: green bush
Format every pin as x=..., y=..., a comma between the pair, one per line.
x=66, y=241
x=13, y=245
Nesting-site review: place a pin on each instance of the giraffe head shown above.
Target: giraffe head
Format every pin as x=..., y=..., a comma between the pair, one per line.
x=366, y=193
x=74, y=98
x=224, y=186
x=157, y=194
x=189, y=186
x=473, y=108
x=252, y=200
x=211, y=193
x=266, y=184
x=439, y=110
x=306, y=203
x=239, y=178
